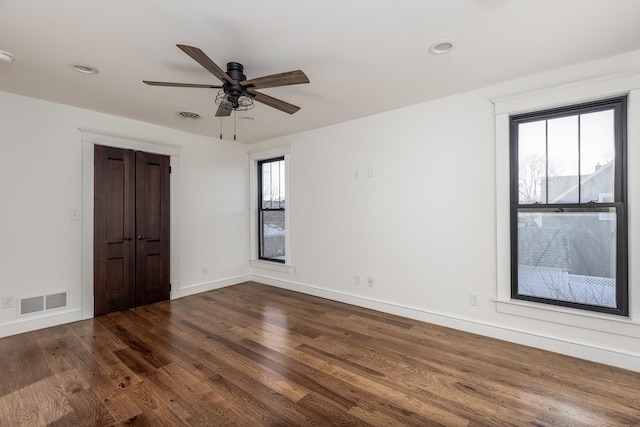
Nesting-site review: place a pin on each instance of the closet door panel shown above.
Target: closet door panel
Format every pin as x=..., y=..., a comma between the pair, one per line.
x=114, y=229
x=152, y=228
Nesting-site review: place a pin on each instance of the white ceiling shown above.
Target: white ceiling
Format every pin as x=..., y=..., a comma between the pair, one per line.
x=361, y=56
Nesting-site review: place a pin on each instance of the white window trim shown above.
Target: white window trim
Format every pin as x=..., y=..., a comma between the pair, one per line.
x=254, y=158
x=601, y=87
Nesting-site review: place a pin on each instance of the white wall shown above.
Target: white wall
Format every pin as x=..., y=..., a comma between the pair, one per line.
x=425, y=225
x=41, y=180
x=214, y=203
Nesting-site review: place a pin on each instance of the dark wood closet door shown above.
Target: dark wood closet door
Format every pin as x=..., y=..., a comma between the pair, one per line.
x=152, y=228
x=114, y=229
x=131, y=229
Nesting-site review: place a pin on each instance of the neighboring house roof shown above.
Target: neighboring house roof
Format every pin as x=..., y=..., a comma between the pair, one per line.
x=544, y=247
x=271, y=231
x=589, y=181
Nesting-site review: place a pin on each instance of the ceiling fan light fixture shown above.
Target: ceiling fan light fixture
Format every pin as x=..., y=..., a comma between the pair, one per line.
x=243, y=103
x=442, y=46
x=83, y=68
x=6, y=56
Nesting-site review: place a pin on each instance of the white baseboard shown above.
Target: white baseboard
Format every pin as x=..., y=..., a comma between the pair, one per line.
x=209, y=286
x=581, y=349
x=40, y=321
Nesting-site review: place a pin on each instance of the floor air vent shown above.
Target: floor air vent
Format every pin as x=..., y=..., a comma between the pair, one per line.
x=31, y=305
x=41, y=303
x=56, y=301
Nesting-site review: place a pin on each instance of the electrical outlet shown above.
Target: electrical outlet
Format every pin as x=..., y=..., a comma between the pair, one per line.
x=356, y=280
x=473, y=299
x=8, y=302
x=370, y=281
x=205, y=270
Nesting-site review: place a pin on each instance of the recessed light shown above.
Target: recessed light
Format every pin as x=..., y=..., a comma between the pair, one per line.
x=83, y=68
x=442, y=46
x=6, y=56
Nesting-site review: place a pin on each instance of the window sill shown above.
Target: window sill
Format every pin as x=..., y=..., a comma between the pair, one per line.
x=601, y=322
x=273, y=266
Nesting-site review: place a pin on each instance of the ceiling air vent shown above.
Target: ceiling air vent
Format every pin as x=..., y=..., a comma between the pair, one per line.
x=189, y=115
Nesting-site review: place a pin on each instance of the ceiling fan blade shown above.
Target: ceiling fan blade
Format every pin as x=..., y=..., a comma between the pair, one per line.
x=273, y=102
x=201, y=58
x=151, y=83
x=281, y=79
x=223, y=112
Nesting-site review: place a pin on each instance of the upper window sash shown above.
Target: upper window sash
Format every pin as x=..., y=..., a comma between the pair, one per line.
x=544, y=160
x=271, y=184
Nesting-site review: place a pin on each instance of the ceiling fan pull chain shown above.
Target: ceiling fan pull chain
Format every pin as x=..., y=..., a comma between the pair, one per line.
x=220, y=128
x=234, y=124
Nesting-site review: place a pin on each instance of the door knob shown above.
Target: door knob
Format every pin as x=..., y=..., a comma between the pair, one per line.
x=141, y=237
x=127, y=238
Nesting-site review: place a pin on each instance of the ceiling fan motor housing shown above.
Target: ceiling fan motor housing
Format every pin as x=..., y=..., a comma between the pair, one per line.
x=236, y=90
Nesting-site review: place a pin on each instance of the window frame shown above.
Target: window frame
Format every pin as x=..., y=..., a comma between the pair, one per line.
x=261, y=209
x=619, y=106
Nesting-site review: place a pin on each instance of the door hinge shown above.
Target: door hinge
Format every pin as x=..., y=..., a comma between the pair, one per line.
x=169, y=286
x=169, y=169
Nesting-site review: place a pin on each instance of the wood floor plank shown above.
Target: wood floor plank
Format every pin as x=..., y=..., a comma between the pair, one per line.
x=326, y=411
x=87, y=411
x=22, y=363
x=155, y=405
x=255, y=355
x=39, y=403
x=194, y=395
x=124, y=410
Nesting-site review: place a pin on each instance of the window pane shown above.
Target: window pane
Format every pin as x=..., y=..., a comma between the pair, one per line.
x=568, y=256
x=272, y=229
x=562, y=146
x=532, y=161
x=597, y=154
x=273, y=185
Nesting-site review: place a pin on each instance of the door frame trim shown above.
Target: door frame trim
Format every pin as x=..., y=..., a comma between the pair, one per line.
x=89, y=140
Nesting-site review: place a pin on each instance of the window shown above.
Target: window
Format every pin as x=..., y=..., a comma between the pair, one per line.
x=271, y=209
x=568, y=206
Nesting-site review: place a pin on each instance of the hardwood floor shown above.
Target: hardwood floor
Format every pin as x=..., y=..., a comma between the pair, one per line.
x=253, y=355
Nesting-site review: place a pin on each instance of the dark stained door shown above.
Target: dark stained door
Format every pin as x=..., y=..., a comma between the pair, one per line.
x=114, y=229
x=131, y=229
x=152, y=228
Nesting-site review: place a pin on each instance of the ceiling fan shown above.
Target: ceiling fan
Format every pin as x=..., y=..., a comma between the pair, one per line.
x=238, y=93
